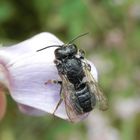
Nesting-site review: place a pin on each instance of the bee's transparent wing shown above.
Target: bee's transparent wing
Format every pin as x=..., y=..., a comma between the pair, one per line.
x=102, y=100
x=67, y=90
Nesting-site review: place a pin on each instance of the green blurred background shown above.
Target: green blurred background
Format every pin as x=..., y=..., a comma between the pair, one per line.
x=113, y=44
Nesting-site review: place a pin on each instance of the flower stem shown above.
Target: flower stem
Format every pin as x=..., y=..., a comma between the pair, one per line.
x=2, y=103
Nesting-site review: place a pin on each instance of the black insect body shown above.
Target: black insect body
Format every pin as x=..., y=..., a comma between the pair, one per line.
x=79, y=89
x=84, y=100
x=68, y=64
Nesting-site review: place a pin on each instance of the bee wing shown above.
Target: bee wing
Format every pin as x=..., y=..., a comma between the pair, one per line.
x=102, y=100
x=67, y=90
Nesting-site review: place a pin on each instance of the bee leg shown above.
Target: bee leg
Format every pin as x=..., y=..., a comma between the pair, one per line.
x=57, y=62
x=60, y=101
x=86, y=65
x=53, y=82
x=81, y=53
x=61, y=98
x=89, y=67
x=58, y=104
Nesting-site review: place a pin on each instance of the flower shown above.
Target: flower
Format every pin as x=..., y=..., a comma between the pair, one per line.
x=99, y=127
x=24, y=71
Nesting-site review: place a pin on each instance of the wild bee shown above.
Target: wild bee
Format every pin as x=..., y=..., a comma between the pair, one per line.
x=79, y=89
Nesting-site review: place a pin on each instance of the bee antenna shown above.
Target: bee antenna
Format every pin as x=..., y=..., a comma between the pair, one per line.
x=48, y=47
x=77, y=37
x=64, y=45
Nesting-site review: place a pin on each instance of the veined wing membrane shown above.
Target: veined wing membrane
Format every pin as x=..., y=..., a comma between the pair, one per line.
x=102, y=100
x=67, y=91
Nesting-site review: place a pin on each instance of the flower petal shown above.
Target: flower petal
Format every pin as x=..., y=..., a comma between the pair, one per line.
x=30, y=110
x=30, y=45
x=30, y=70
x=29, y=85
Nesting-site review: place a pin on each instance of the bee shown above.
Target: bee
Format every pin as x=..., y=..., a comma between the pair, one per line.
x=79, y=89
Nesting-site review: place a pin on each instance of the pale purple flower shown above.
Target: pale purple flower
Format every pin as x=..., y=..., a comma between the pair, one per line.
x=99, y=127
x=24, y=72
x=127, y=108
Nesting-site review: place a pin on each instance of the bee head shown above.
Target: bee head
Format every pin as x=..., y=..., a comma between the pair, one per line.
x=66, y=51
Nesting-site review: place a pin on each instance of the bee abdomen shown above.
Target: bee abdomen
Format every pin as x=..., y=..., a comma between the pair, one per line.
x=83, y=100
